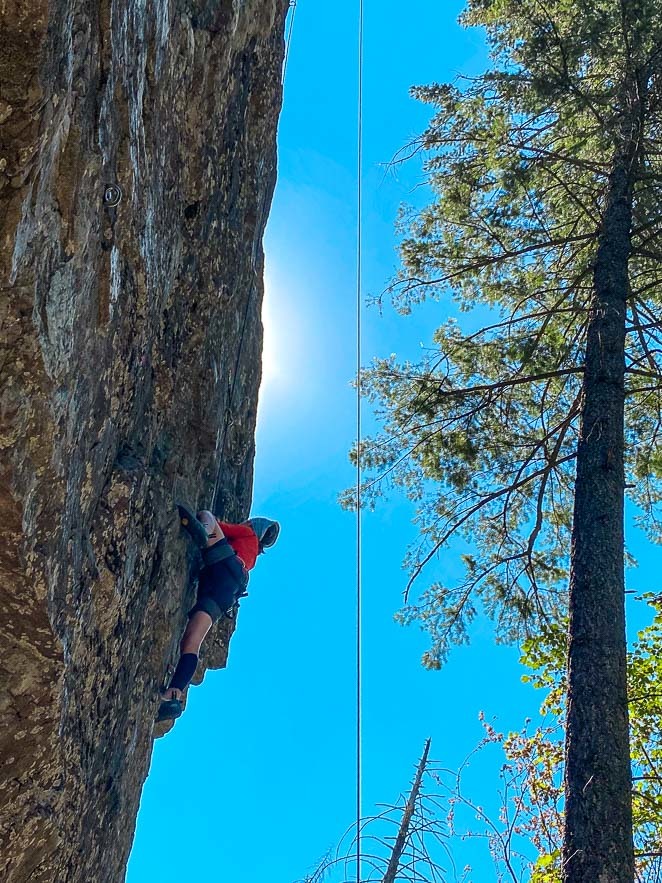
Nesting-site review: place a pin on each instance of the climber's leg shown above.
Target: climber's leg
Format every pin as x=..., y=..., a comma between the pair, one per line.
x=192, y=526
x=214, y=532
x=203, y=527
x=196, y=630
x=206, y=531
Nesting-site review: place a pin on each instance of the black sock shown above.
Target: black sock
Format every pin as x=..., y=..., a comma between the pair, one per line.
x=185, y=670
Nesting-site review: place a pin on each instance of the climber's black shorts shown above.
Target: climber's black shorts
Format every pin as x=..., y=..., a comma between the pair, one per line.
x=219, y=586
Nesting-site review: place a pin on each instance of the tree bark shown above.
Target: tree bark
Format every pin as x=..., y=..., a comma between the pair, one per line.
x=598, y=844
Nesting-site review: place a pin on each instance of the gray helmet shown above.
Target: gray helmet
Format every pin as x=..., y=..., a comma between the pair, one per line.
x=265, y=529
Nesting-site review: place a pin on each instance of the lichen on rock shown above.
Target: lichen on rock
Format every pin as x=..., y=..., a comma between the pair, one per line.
x=130, y=340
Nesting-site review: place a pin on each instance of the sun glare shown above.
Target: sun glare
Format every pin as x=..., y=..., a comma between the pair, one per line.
x=281, y=348
x=270, y=370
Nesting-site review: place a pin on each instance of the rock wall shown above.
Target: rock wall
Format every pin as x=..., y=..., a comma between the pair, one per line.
x=130, y=341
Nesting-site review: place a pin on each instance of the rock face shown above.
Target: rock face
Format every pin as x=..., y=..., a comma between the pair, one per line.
x=130, y=340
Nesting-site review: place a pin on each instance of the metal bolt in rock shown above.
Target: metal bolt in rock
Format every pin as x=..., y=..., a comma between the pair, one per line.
x=112, y=195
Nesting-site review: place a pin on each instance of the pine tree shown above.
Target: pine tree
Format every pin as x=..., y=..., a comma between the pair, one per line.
x=523, y=428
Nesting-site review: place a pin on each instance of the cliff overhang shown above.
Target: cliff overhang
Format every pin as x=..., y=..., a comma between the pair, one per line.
x=130, y=340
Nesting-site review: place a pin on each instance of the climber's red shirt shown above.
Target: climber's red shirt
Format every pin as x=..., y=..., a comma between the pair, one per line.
x=243, y=540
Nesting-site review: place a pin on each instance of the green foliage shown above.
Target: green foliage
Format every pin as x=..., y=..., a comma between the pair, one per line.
x=525, y=839
x=535, y=759
x=482, y=433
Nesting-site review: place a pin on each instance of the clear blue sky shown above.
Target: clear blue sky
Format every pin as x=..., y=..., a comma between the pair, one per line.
x=258, y=776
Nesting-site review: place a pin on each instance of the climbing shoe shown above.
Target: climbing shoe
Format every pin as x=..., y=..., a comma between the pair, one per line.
x=195, y=528
x=169, y=710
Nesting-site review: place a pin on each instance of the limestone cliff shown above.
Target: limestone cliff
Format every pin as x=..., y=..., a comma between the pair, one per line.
x=130, y=342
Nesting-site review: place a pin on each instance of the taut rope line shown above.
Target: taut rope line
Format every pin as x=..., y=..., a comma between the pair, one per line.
x=359, y=599
x=288, y=39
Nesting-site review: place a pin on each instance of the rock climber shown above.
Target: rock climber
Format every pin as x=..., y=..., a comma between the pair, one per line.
x=229, y=551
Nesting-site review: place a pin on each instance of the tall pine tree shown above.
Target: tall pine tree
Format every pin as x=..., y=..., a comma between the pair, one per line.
x=524, y=434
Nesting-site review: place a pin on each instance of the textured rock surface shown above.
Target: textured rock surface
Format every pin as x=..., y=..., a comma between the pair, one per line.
x=129, y=367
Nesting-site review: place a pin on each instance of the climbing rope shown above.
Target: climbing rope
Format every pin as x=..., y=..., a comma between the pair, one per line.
x=359, y=237
x=288, y=38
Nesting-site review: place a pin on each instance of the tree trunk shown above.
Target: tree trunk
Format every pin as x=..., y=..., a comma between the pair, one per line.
x=403, y=832
x=598, y=844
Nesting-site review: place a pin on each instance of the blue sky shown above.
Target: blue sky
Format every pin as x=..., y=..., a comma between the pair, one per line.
x=258, y=776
